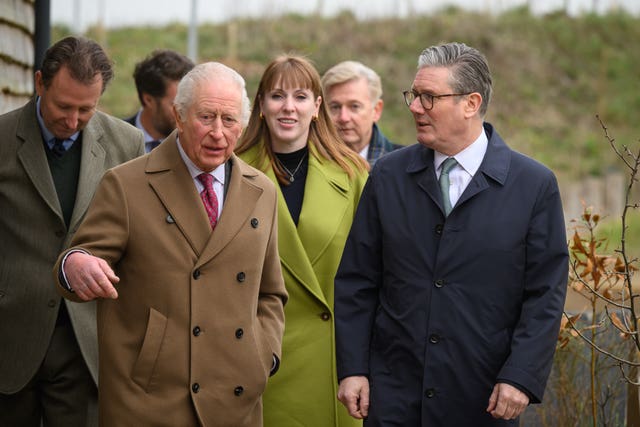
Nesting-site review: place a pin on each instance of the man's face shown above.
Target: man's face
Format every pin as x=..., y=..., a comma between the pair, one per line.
x=161, y=108
x=443, y=127
x=212, y=124
x=353, y=112
x=67, y=105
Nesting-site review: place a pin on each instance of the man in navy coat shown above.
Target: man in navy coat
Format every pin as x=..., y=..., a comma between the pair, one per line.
x=451, y=318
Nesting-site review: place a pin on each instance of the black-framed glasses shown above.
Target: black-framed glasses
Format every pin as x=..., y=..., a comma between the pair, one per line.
x=426, y=99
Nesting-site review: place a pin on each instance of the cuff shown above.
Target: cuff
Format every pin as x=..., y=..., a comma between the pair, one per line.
x=62, y=276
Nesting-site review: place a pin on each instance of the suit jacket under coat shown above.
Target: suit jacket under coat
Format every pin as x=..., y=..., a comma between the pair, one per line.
x=33, y=233
x=303, y=393
x=436, y=311
x=191, y=337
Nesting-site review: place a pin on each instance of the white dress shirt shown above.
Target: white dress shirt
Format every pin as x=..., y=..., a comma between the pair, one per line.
x=469, y=161
x=218, y=177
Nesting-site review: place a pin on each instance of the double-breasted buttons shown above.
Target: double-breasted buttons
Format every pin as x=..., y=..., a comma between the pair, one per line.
x=238, y=390
x=195, y=387
x=239, y=333
x=325, y=316
x=439, y=283
x=240, y=276
x=51, y=303
x=196, y=274
x=196, y=331
x=254, y=222
x=439, y=228
x=434, y=338
x=430, y=393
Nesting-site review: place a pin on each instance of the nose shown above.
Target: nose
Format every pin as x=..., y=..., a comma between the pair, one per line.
x=288, y=104
x=343, y=114
x=71, y=120
x=416, y=106
x=215, y=129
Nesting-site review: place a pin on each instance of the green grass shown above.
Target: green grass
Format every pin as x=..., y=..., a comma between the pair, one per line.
x=610, y=229
x=552, y=73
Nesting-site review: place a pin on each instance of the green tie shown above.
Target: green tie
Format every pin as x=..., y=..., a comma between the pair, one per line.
x=447, y=165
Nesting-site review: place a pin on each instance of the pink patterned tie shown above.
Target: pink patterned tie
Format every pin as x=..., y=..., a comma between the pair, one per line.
x=209, y=198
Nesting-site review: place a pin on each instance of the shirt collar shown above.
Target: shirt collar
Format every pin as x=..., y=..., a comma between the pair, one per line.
x=218, y=173
x=147, y=137
x=470, y=158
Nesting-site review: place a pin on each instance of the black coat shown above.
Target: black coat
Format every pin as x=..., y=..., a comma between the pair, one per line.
x=436, y=312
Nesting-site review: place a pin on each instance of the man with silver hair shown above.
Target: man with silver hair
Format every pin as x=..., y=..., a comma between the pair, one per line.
x=179, y=247
x=452, y=283
x=353, y=93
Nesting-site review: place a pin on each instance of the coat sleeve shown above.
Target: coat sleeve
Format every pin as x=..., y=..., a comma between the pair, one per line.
x=103, y=232
x=356, y=287
x=545, y=285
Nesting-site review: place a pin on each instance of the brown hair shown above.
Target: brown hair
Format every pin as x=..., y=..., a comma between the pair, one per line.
x=296, y=71
x=83, y=58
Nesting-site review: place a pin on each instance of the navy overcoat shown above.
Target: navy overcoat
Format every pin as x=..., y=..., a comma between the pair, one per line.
x=436, y=312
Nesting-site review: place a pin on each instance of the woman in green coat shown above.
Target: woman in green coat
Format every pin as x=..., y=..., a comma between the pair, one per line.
x=290, y=138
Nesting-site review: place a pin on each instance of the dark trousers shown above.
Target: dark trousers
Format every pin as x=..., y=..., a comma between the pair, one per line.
x=62, y=392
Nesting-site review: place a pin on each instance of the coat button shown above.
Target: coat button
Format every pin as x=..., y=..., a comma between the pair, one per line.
x=439, y=228
x=325, y=316
x=196, y=331
x=238, y=390
x=434, y=339
x=239, y=333
x=51, y=303
x=439, y=283
x=240, y=276
x=195, y=387
x=196, y=274
x=254, y=222
x=430, y=393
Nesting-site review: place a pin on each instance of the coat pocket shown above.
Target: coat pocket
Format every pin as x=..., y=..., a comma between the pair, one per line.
x=143, y=369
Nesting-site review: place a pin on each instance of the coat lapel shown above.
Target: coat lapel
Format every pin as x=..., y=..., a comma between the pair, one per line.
x=421, y=167
x=238, y=205
x=325, y=202
x=34, y=159
x=91, y=166
x=293, y=255
x=495, y=165
x=170, y=180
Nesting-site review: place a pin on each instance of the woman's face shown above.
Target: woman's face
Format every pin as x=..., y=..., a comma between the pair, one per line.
x=288, y=113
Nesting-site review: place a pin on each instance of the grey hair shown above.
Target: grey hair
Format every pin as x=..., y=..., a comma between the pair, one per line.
x=469, y=70
x=351, y=70
x=204, y=73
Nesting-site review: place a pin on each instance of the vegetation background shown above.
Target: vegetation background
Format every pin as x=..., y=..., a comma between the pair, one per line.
x=552, y=75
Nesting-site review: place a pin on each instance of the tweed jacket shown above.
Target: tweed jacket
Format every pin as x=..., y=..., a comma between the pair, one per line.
x=191, y=338
x=33, y=232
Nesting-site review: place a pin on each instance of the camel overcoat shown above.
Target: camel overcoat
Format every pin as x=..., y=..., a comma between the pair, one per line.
x=304, y=391
x=33, y=233
x=191, y=338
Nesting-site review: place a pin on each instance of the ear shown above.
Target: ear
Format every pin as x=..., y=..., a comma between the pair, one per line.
x=472, y=105
x=318, y=103
x=179, y=123
x=377, y=110
x=147, y=100
x=39, y=83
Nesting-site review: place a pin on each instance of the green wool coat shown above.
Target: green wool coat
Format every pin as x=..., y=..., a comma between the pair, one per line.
x=303, y=392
